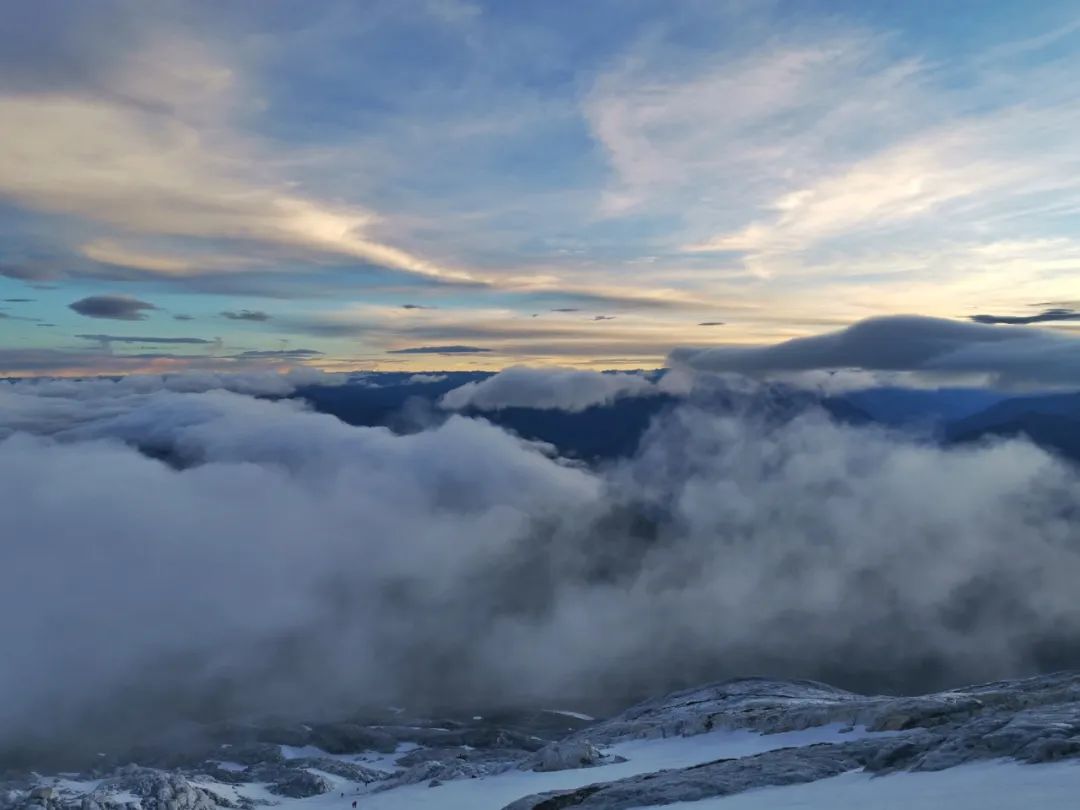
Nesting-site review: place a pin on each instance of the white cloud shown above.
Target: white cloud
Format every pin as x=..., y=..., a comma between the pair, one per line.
x=741, y=126
x=731, y=544
x=853, y=165
x=161, y=156
x=547, y=388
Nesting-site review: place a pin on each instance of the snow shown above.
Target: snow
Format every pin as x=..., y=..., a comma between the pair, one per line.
x=382, y=762
x=234, y=767
x=308, y=751
x=996, y=785
x=643, y=756
x=74, y=785
x=256, y=791
x=69, y=787
x=575, y=715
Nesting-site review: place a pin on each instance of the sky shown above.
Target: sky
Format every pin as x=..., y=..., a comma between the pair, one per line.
x=446, y=184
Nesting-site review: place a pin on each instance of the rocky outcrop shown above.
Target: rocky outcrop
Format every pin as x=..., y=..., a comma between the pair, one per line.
x=296, y=779
x=351, y=738
x=722, y=778
x=562, y=756
x=352, y=771
x=1035, y=720
x=301, y=784
x=439, y=771
x=1031, y=720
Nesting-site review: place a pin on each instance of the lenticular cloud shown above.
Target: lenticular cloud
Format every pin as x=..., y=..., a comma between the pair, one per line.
x=194, y=552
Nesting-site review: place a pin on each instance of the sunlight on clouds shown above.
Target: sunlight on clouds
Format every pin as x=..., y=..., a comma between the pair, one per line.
x=629, y=340
x=743, y=123
x=171, y=167
x=849, y=172
x=874, y=194
x=110, y=251
x=643, y=170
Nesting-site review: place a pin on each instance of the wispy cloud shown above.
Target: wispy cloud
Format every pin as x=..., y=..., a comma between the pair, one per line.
x=298, y=354
x=777, y=177
x=452, y=349
x=159, y=154
x=106, y=339
x=246, y=315
x=1046, y=316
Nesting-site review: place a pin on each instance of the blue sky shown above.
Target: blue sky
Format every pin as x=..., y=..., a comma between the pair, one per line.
x=547, y=183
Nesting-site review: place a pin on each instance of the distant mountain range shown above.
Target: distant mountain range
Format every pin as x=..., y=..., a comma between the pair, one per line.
x=948, y=415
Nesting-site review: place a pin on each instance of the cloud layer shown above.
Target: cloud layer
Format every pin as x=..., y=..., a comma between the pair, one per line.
x=256, y=557
x=909, y=343
x=563, y=389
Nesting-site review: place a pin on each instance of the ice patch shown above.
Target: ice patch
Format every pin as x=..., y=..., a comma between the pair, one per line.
x=575, y=715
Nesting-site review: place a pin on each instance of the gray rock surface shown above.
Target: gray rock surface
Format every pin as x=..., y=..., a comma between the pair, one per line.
x=352, y=771
x=442, y=771
x=1031, y=720
x=351, y=738
x=1034, y=720
x=300, y=784
x=562, y=756
x=721, y=778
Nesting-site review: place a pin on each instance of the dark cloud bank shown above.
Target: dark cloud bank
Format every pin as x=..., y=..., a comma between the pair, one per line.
x=257, y=557
x=453, y=349
x=112, y=307
x=929, y=346
x=1046, y=316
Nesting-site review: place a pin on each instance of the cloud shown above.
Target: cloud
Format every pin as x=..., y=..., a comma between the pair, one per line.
x=672, y=124
x=28, y=272
x=732, y=543
x=18, y=300
x=145, y=339
x=1057, y=314
x=155, y=150
x=566, y=309
x=298, y=354
x=604, y=317
x=117, y=254
x=547, y=389
x=183, y=318
x=63, y=362
x=246, y=315
x=69, y=404
x=415, y=306
x=711, y=323
x=910, y=343
x=57, y=361
x=114, y=307
x=425, y=379
x=879, y=192
x=453, y=349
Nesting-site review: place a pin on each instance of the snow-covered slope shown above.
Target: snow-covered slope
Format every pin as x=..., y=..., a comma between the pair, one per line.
x=750, y=743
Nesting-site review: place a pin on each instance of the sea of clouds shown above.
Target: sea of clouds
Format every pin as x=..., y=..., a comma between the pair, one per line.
x=173, y=548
